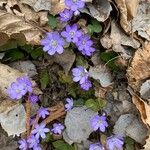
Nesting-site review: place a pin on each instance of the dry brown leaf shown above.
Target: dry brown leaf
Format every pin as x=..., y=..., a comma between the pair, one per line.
x=147, y=145
x=57, y=6
x=140, y=67
x=127, y=10
x=120, y=39
x=143, y=108
x=145, y=90
x=141, y=22
x=12, y=25
x=38, y=5
x=100, y=9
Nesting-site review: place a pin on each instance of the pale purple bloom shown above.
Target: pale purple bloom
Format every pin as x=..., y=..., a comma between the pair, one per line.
x=86, y=85
x=43, y=112
x=19, y=88
x=80, y=74
x=16, y=91
x=69, y=104
x=66, y=15
x=57, y=128
x=33, y=98
x=72, y=33
x=96, y=146
x=22, y=144
x=76, y=13
x=114, y=142
x=53, y=43
x=40, y=131
x=25, y=81
x=99, y=122
x=85, y=45
x=32, y=141
x=75, y=4
x=37, y=147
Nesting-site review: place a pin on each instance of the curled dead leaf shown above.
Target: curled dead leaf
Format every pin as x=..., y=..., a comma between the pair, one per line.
x=100, y=9
x=127, y=10
x=12, y=25
x=139, y=70
x=143, y=108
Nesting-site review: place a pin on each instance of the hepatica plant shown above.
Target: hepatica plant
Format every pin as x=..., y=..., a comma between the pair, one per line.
x=55, y=43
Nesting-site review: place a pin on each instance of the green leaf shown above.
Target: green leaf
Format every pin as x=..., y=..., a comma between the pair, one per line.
x=109, y=58
x=90, y=29
x=129, y=143
x=92, y=104
x=95, y=104
x=94, y=27
x=49, y=137
x=61, y=145
x=38, y=52
x=97, y=28
x=81, y=61
x=52, y=21
x=64, y=78
x=14, y=54
x=78, y=103
x=44, y=79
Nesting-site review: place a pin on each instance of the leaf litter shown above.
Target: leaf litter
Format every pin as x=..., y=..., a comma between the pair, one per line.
x=127, y=35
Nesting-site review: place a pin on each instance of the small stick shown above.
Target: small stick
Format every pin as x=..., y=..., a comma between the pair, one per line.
x=35, y=122
x=28, y=113
x=54, y=115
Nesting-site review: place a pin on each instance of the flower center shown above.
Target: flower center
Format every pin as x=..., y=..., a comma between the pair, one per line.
x=74, y=1
x=83, y=42
x=17, y=91
x=100, y=122
x=53, y=43
x=71, y=33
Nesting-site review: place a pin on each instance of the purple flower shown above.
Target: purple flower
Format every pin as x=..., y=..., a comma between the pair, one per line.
x=43, y=112
x=33, y=98
x=16, y=91
x=19, y=88
x=72, y=33
x=114, y=142
x=22, y=144
x=57, y=128
x=86, y=85
x=99, y=122
x=25, y=81
x=32, y=141
x=40, y=131
x=85, y=45
x=79, y=74
x=66, y=15
x=37, y=147
x=53, y=43
x=69, y=104
x=74, y=4
x=96, y=146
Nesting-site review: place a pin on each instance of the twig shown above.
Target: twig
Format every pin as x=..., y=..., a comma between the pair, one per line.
x=28, y=112
x=55, y=115
x=35, y=122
